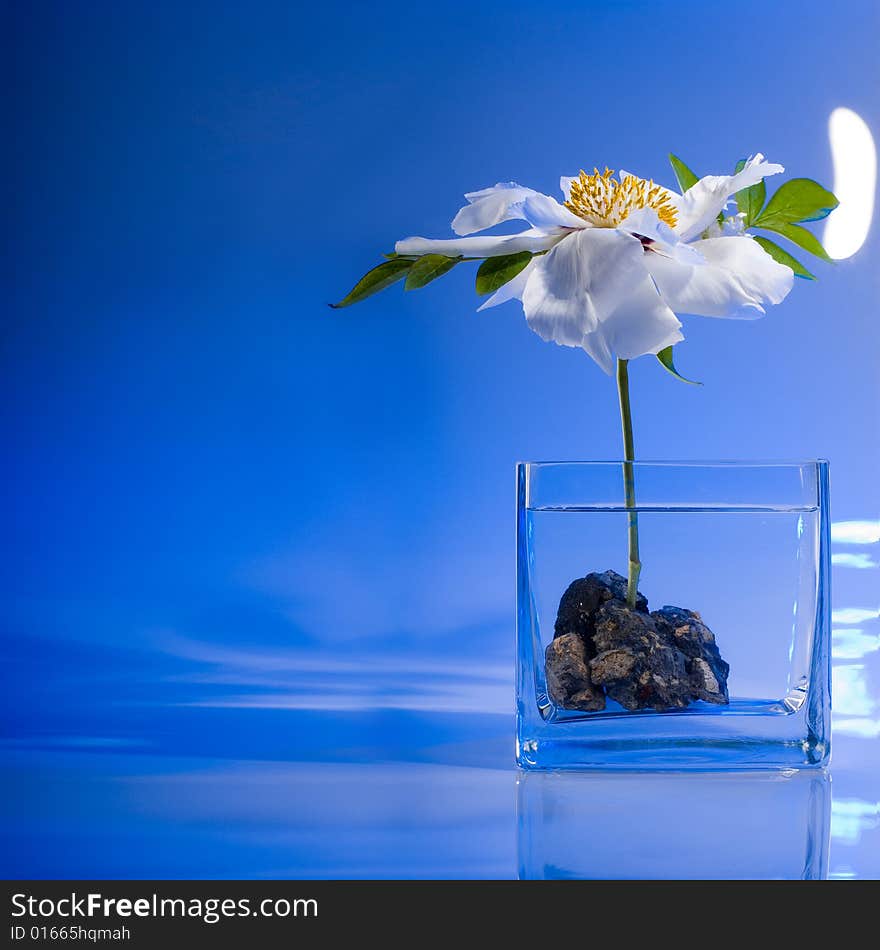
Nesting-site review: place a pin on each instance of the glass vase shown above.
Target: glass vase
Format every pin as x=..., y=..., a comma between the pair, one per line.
x=727, y=665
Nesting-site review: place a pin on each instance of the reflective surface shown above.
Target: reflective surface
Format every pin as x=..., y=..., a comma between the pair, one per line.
x=758, y=826
x=163, y=767
x=183, y=757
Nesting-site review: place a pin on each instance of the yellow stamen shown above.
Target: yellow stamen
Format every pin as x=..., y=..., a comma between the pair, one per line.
x=606, y=202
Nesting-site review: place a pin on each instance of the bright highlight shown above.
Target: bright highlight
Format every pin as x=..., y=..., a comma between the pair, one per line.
x=855, y=179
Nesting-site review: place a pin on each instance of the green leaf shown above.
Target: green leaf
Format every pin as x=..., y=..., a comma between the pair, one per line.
x=665, y=357
x=750, y=200
x=800, y=199
x=798, y=235
x=375, y=280
x=429, y=268
x=683, y=174
x=783, y=257
x=495, y=272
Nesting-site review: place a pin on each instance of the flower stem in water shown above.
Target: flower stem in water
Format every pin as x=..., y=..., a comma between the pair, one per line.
x=629, y=484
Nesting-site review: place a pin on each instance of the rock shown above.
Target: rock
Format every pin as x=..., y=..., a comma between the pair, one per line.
x=567, y=658
x=585, y=596
x=568, y=674
x=707, y=670
x=662, y=660
x=636, y=664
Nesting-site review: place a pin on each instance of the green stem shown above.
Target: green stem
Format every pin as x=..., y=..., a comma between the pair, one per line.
x=629, y=483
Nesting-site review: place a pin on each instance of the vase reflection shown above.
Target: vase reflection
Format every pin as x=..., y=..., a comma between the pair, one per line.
x=672, y=825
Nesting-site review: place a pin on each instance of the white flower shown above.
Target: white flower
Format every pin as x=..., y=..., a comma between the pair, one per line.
x=620, y=257
x=731, y=225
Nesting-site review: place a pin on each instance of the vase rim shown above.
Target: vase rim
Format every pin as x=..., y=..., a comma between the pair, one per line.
x=686, y=463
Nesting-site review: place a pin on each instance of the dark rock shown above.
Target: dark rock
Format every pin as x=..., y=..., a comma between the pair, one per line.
x=568, y=674
x=585, y=596
x=567, y=658
x=662, y=660
x=706, y=669
x=636, y=664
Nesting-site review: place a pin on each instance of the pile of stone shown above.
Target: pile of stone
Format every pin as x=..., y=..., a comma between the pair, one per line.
x=603, y=649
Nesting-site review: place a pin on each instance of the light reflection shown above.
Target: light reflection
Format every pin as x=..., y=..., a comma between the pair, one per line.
x=855, y=532
x=850, y=817
x=243, y=677
x=438, y=701
x=860, y=728
x=853, y=644
x=860, y=560
x=852, y=697
x=127, y=816
x=672, y=825
x=855, y=180
x=852, y=615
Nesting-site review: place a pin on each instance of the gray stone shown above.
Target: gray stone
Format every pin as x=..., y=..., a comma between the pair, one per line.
x=707, y=670
x=568, y=674
x=567, y=658
x=637, y=666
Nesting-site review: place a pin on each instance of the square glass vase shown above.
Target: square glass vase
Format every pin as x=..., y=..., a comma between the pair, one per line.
x=744, y=544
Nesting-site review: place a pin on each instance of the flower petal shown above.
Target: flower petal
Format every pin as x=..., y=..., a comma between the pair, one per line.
x=737, y=278
x=490, y=206
x=493, y=246
x=542, y=211
x=593, y=291
x=556, y=298
x=645, y=222
x=642, y=323
x=700, y=204
x=595, y=345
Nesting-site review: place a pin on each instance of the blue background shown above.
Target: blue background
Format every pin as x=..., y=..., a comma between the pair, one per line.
x=258, y=554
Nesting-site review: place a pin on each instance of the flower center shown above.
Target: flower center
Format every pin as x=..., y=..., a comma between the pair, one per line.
x=605, y=202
